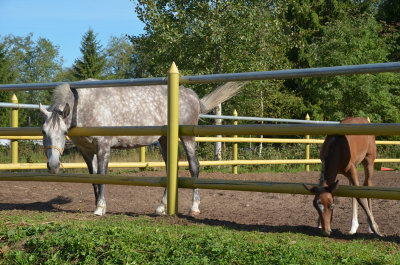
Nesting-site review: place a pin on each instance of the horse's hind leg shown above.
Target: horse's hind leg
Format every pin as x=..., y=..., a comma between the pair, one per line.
x=190, y=147
x=163, y=203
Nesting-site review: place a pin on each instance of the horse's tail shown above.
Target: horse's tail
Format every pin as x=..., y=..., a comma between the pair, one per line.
x=219, y=95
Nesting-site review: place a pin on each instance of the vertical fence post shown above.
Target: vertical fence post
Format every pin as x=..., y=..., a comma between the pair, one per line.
x=307, y=148
x=235, y=147
x=172, y=140
x=14, y=123
x=142, y=156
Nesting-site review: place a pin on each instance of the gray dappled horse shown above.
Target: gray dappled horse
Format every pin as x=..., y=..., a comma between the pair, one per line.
x=122, y=106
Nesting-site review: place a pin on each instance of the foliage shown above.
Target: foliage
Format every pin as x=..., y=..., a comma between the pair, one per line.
x=203, y=37
x=351, y=40
x=121, y=58
x=92, y=62
x=48, y=239
x=29, y=61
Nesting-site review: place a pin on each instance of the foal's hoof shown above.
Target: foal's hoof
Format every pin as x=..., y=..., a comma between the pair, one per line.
x=160, y=210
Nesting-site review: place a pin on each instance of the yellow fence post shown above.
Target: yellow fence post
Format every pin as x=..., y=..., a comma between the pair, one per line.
x=172, y=140
x=307, y=148
x=142, y=156
x=235, y=147
x=14, y=123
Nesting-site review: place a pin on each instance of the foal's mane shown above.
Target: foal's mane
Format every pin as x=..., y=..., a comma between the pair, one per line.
x=326, y=159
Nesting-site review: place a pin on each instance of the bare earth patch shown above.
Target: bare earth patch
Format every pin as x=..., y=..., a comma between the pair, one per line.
x=269, y=212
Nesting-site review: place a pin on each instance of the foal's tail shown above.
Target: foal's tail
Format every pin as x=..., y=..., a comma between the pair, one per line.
x=219, y=95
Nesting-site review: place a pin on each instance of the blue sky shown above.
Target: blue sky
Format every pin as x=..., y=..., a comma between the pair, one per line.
x=64, y=22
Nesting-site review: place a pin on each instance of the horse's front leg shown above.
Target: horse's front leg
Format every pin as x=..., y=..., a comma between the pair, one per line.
x=189, y=145
x=91, y=162
x=103, y=157
x=162, y=207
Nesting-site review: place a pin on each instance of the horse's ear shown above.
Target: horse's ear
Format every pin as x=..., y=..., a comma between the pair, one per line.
x=333, y=187
x=66, y=111
x=309, y=188
x=45, y=112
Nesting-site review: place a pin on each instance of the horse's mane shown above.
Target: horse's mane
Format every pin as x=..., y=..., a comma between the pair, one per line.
x=61, y=94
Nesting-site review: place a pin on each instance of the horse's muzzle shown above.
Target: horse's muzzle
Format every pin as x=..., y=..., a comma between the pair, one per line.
x=53, y=168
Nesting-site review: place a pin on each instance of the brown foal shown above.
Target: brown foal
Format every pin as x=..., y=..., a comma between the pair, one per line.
x=340, y=154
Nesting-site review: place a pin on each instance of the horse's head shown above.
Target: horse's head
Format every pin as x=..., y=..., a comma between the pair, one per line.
x=54, y=130
x=323, y=203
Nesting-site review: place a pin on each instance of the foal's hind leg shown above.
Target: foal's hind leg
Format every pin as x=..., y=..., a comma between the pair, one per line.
x=160, y=210
x=368, y=164
x=190, y=147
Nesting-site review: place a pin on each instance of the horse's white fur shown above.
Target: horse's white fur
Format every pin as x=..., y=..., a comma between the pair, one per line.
x=124, y=106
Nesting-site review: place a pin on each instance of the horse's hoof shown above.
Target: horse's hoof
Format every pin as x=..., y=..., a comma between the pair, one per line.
x=160, y=210
x=194, y=213
x=100, y=211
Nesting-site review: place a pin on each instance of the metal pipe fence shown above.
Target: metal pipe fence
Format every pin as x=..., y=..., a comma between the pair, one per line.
x=171, y=128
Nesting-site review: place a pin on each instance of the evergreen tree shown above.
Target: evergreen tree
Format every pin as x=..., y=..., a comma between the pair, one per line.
x=93, y=61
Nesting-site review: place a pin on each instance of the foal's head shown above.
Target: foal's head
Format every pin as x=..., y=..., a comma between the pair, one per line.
x=323, y=203
x=54, y=130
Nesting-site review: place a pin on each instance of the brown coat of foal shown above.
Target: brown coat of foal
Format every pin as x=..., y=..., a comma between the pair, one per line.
x=340, y=154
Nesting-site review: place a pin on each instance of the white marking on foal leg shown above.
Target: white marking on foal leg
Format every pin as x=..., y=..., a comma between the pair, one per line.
x=354, y=221
x=101, y=208
x=195, y=210
x=163, y=204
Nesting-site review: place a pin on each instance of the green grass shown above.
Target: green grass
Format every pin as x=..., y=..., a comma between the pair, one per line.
x=54, y=238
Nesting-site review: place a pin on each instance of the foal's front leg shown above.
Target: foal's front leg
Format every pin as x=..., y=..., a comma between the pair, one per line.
x=352, y=176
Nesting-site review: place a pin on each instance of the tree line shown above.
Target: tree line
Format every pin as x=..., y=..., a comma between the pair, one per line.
x=222, y=36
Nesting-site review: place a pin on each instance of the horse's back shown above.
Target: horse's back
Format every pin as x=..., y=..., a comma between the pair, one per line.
x=129, y=106
x=134, y=106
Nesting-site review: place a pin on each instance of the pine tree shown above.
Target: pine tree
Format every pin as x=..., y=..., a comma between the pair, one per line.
x=91, y=64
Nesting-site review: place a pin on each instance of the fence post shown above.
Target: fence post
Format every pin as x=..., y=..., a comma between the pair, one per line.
x=172, y=140
x=307, y=148
x=235, y=147
x=142, y=156
x=14, y=123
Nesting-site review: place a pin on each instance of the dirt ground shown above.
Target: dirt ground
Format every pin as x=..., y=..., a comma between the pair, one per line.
x=239, y=210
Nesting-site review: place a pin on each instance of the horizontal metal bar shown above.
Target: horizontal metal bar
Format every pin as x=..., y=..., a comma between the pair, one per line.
x=20, y=106
x=33, y=166
x=389, y=193
x=277, y=74
x=86, y=84
x=292, y=129
x=294, y=73
x=204, y=130
x=207, y=116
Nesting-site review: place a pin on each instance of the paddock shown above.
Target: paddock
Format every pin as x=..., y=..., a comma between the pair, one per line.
x=244, y=210
x=173, y=129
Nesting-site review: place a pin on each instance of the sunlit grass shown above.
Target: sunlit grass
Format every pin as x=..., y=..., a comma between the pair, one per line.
x=57, y=238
